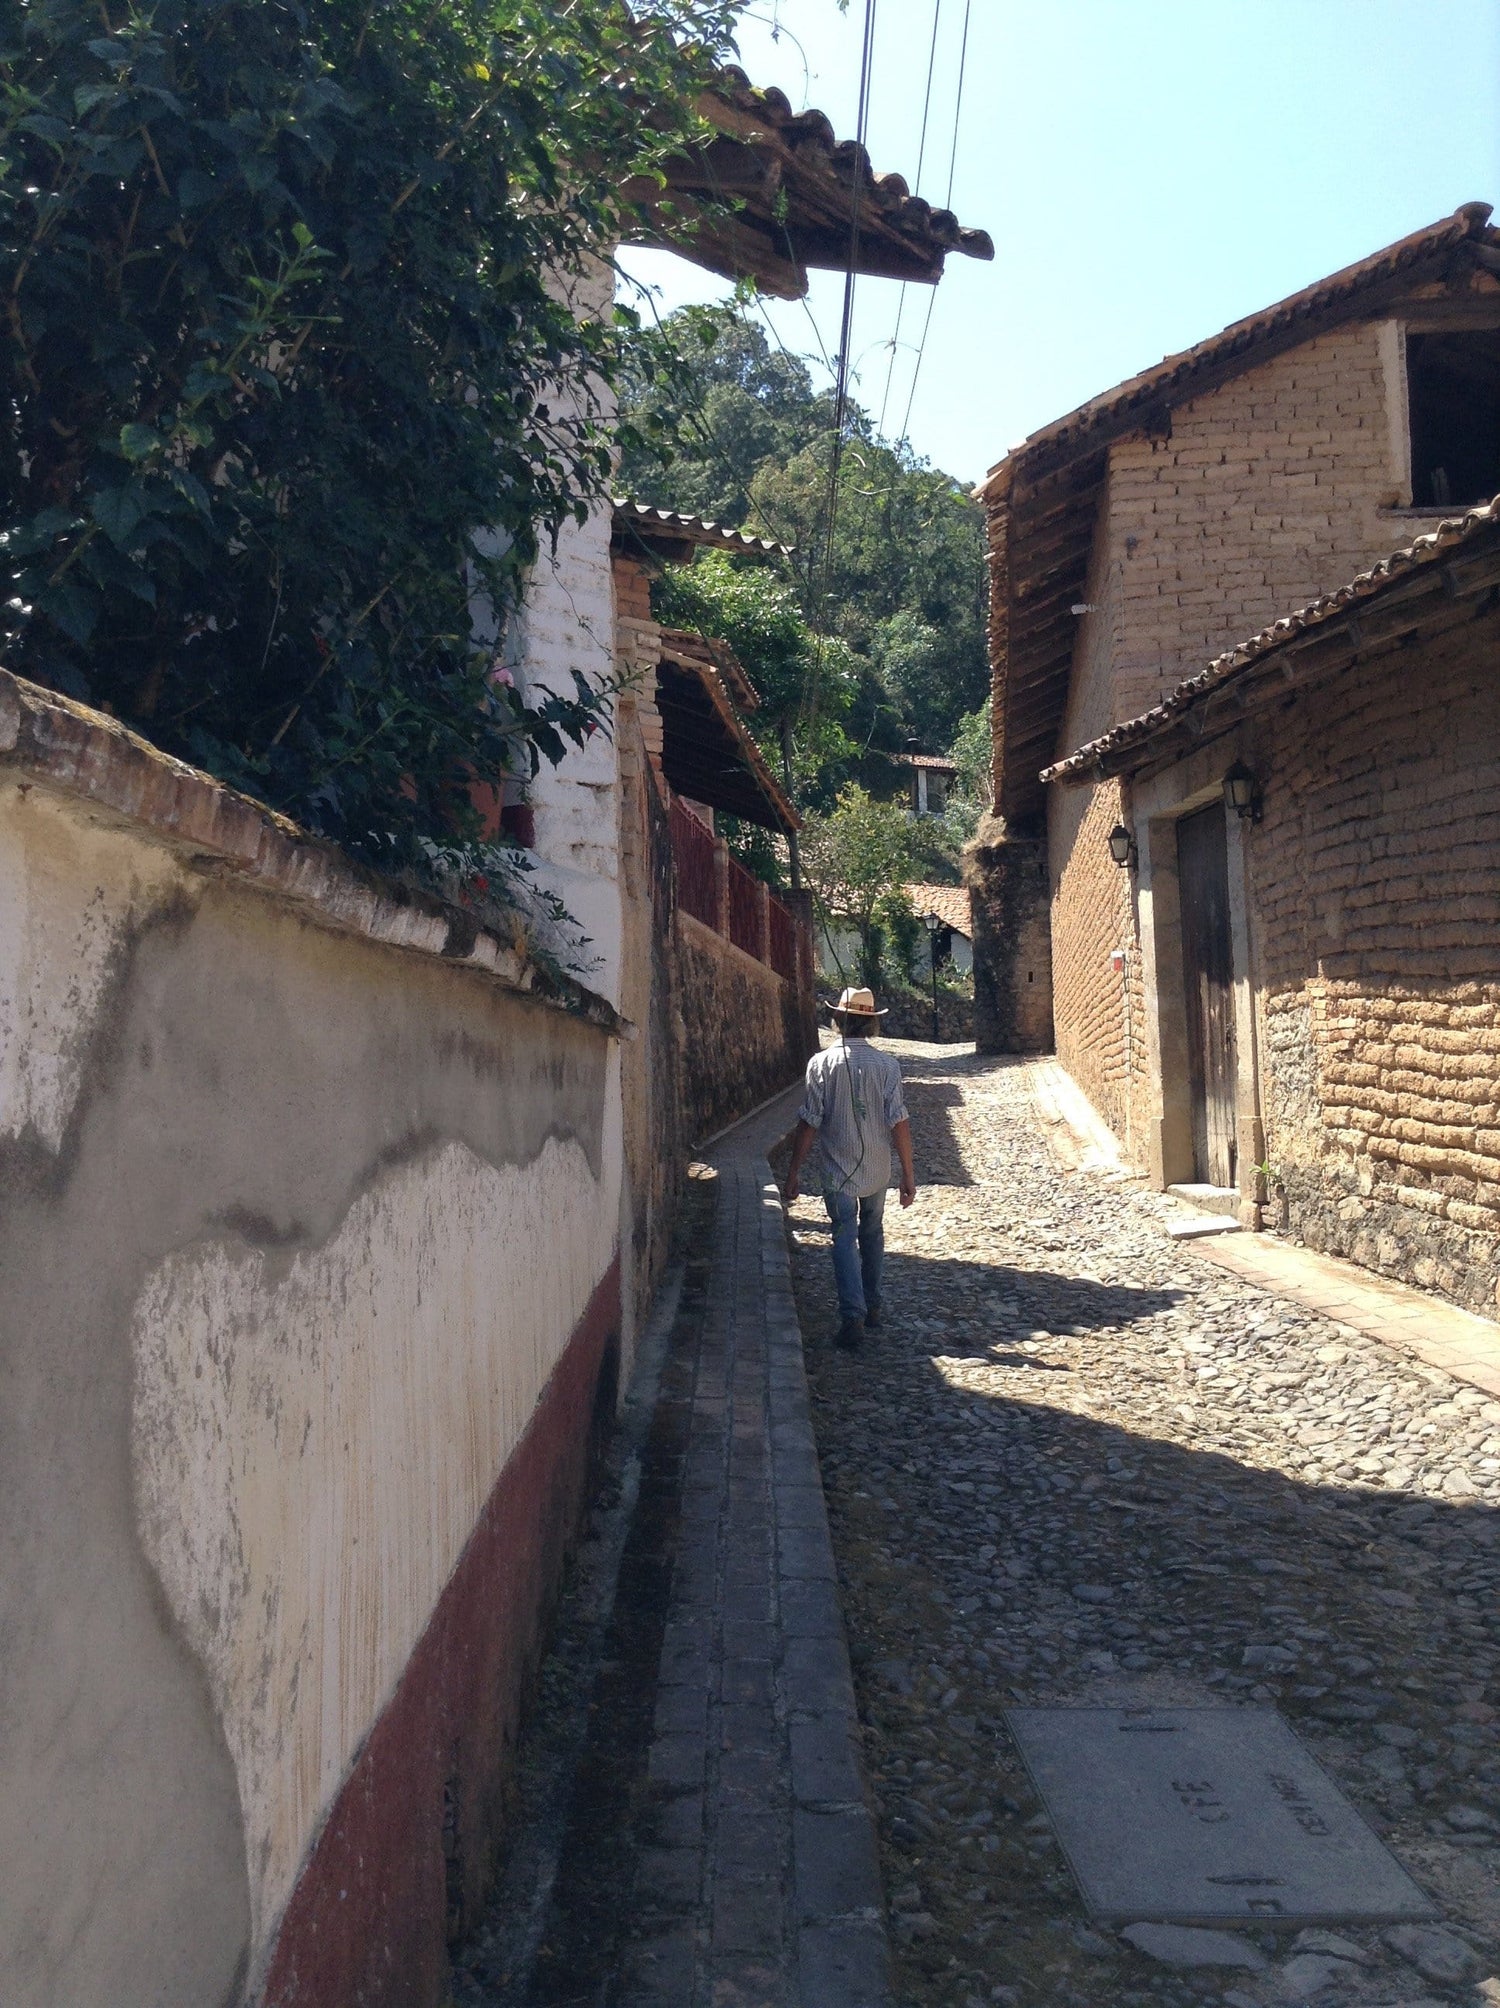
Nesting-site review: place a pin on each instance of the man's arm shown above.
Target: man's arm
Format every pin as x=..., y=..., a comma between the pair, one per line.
x=802, y=1143
x=901, y=1138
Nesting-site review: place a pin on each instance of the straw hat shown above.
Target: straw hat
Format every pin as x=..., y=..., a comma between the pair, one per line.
x=857, y=1004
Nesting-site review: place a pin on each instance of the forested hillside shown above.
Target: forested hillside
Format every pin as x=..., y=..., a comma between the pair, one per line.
x=902, y=588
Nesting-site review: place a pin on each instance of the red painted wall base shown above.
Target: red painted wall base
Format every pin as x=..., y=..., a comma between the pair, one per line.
x=402, y=1859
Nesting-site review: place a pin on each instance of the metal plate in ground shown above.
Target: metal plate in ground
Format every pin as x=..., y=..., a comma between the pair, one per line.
x=1205, y=1815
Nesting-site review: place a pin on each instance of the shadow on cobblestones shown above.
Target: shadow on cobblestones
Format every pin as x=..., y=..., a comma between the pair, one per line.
x=559, y=1919
x=1128, y=1479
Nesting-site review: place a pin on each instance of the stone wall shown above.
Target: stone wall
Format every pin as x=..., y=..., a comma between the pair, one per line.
x=310, y=1312
x=1376, y=892
x=744, y=1035
x=909, y=1015
x=1008, y=892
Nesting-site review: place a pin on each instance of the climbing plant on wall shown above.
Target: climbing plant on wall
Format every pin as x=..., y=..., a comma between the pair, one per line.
x=277, y=335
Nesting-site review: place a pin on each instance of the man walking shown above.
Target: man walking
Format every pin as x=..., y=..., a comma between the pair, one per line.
x=855, y=1110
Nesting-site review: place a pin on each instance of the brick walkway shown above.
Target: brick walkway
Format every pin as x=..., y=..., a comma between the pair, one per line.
x=758, y=1858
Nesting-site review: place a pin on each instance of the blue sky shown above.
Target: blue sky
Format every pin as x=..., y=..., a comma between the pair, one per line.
x=1150, y=170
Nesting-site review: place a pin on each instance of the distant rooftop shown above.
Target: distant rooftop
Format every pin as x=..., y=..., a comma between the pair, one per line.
x=949, y=902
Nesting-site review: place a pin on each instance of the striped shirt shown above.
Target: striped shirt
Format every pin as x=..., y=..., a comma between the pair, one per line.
x=853, y=1101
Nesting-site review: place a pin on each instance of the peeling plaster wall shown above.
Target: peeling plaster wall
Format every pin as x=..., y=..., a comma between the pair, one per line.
x=566, y=629
x=296, y=1228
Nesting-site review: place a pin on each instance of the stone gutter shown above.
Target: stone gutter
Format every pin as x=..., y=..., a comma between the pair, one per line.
x=216, y=830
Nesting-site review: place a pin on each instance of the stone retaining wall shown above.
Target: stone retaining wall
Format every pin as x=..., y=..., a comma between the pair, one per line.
x=745, y=1030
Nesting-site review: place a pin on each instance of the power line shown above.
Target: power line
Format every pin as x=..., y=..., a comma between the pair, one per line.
x=958, y=105
x=937, y=14
x=846, y=319
x=861, y=164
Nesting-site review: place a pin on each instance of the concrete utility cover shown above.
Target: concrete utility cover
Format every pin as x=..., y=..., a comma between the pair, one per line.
x=1205, y=1815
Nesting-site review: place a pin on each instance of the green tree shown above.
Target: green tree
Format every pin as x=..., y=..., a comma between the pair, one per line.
x=748, y=442
x=284, y=329
x=903, y=583
x=714, y=394
x=857, y=860
x=806, y=682
x=972, y=752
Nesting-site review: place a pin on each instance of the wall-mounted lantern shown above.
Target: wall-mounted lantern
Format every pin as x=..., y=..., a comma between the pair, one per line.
x=1121, y=845
x=1242, y=793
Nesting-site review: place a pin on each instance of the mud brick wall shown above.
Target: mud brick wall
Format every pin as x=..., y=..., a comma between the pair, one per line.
x=1270, y=490
x=1376, y=888
x=1100, y=1021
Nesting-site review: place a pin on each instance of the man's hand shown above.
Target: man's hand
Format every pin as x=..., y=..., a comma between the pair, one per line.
x=802, y=1143
x=901, y=1138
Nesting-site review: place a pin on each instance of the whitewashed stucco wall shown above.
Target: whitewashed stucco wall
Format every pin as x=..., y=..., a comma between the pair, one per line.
x=296, y=1228
x=567, y=624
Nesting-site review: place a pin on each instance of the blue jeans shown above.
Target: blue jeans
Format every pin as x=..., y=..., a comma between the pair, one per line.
x=858, y=1250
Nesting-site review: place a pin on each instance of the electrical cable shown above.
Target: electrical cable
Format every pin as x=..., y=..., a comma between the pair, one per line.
x=958, y=105
x=846, y=320
x=937, y=15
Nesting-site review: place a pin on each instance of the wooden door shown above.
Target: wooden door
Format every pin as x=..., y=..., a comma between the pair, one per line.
x=1208, y=977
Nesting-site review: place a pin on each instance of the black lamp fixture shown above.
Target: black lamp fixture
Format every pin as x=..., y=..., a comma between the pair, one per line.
x=1242, y=792
x=933, y=923
x=1121, y=845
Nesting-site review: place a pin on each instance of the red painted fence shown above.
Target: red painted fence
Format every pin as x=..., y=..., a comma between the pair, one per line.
x=696, y=854
x=693, y=851
x=744, y=909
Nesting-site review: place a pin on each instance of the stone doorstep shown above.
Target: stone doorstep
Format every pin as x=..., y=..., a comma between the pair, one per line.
x=1223, y=1199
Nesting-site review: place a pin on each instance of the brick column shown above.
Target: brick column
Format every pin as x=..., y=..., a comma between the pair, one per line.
x=800, y=905
x=763, y=908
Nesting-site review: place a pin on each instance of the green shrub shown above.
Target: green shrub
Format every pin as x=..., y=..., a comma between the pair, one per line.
x=278, y=339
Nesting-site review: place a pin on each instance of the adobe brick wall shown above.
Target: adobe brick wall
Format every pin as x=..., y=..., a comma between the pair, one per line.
x=1376, y=907
x=1270, y=490
x=1100, y=1025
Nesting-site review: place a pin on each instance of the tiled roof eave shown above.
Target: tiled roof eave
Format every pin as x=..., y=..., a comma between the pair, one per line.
x=809, y=137
x=1180, y=376
x=1129, y=743
x=645, y=520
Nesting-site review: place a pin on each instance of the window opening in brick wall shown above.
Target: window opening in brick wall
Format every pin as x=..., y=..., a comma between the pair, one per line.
x=1453, y=382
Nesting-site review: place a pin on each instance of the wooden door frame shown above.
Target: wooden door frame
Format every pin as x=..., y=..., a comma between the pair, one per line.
x=1157, y=805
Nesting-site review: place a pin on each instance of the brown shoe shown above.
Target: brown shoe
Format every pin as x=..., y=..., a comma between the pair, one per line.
x=850, y=1335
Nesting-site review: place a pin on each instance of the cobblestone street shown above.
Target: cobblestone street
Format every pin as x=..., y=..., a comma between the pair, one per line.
x=1083, y=1463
